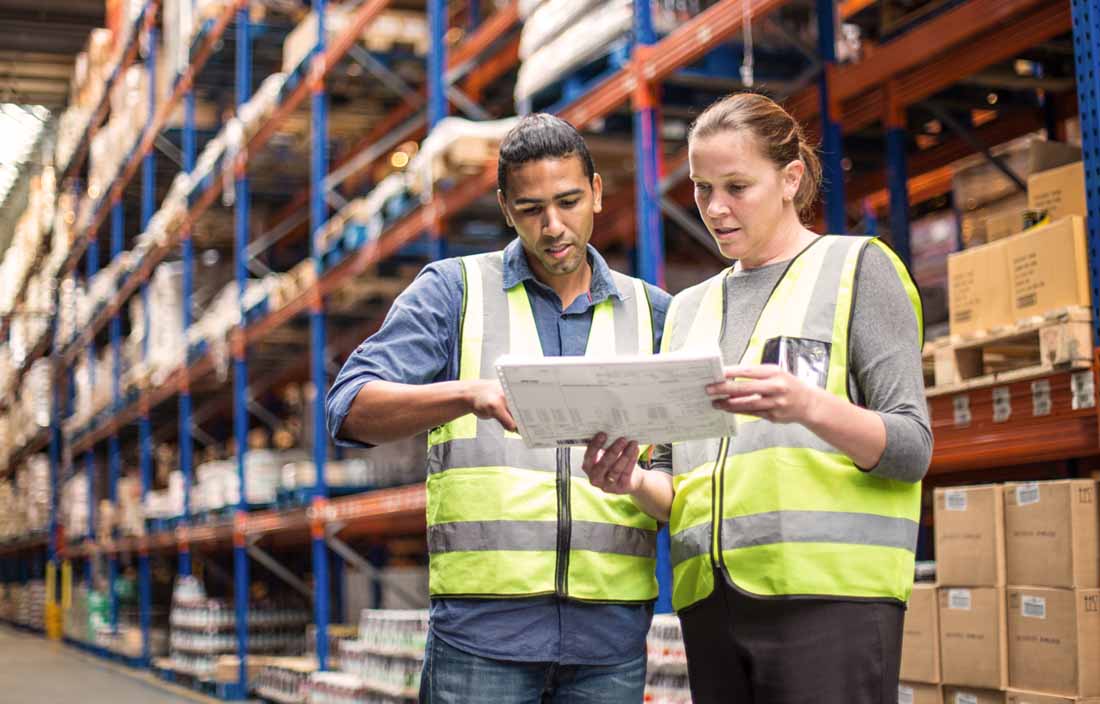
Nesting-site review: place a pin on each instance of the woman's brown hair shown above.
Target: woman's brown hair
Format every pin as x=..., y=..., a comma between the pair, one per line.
x=779, y=135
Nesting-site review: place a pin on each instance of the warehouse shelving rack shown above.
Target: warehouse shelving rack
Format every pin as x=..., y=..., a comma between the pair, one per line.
x=909, y=68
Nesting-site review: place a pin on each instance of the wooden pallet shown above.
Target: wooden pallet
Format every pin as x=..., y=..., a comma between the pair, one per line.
x=1060, y=339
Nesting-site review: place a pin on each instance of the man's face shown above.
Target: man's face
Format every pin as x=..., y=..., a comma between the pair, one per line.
x=551, y=205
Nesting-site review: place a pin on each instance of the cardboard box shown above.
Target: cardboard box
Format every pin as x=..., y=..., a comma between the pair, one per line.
x=969, y=524
x=1060, y=192
x=1051, y=533
x=919, y=693
x=1048, y=268
x=967, y=695
x=973, y=650
x=1014, y=696
x=920, y=645
x=978, y=290
x=1045, y=154
x=1054, y=640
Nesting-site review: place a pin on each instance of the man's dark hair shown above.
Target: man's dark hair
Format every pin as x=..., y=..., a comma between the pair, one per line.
x=541, y=136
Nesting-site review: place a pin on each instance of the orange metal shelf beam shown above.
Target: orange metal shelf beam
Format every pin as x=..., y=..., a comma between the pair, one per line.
x=1023, y=439
x=686, y=44
x=936, y=55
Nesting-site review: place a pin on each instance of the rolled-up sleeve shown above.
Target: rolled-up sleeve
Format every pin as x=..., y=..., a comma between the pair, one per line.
x=414, y=345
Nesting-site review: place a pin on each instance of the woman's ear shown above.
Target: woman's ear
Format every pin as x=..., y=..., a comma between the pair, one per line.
x=792, y=179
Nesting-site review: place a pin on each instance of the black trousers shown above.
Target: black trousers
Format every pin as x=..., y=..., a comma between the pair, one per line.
x=743, y=649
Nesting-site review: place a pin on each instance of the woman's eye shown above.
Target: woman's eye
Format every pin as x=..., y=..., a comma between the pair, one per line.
x=736, y=187
x=702, y=188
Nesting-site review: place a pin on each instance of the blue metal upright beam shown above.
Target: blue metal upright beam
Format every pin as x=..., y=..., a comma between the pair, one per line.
x=1086, y=45
x=187, y=261
x=240, y=363
x=437, y=97
x=318, y=216
x=649, y=253
x=897, y=178
x=91, y=269
x=113, y=458
x=832, y=143
x=649, y=256
x=145, y=432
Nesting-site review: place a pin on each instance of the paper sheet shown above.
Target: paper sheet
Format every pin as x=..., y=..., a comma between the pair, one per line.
x=562, y=401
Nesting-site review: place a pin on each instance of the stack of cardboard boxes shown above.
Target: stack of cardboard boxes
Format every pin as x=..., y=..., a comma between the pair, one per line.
x=1025, y=273
x=1015, y=616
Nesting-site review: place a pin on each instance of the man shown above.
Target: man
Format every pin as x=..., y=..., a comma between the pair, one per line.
x=541, y=584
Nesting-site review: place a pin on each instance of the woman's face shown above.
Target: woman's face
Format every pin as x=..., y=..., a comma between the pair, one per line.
x=740, y=193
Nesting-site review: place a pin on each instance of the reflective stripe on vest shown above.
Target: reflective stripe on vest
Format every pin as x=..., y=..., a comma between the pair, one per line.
x=506, y=520
x=794, y=516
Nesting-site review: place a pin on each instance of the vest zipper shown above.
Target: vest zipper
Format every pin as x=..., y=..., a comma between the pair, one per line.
x=565, y=523
x=717, y=489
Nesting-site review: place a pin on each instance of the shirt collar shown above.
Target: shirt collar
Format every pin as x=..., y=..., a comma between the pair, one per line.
x=517, y=270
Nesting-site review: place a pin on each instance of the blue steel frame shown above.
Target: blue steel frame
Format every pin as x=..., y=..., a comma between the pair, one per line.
x=832, y=143
x=437, y=98
x=897, y=178
x=145, y=431
x=240, y=361
x=187, y=261
x=91, y=265
x=649, y=255
x=318, y=214
x=113, y=460
x=1086, y=40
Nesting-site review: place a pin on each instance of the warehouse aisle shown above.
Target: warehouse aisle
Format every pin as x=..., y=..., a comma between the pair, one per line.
x=34, y=670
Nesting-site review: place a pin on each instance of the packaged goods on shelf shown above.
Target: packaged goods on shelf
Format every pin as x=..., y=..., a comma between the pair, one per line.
x=390, y=29
x=262, y=104
x=203, y=629
x=1058, y=192
x=919, y=693
x=337, y=632
x=970, y=536
x=570, y=43
x=131, y=513
x=1048, y=268
x=666, y=672
x=33, y=493
x=338, y=688
x=393, y=631
x=456, y=148
x=976, y=182
x=368, y=213
x=284, y=680
x=1053, y=639
x=920, y=653
x=70, y=293
x=9, y=506
x=972, y=695
x=74, y=506
x=973, y=637
x=548, y=20
x=1051, y=534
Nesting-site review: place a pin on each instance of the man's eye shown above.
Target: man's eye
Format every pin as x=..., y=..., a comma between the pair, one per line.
x=530, y=211
x=569, y=203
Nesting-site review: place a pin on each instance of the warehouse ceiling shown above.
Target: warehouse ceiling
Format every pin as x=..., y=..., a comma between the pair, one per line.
x=39, y=40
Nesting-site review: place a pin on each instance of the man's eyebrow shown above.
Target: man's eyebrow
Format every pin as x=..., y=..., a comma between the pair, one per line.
x=557, y=196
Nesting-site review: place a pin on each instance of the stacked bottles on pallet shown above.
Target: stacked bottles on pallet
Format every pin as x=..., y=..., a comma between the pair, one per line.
x=666, y=673
x=383, y=665
x=285, y=681
x=204, y=629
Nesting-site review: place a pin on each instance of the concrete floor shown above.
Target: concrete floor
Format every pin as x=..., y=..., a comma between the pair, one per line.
x=34, y=670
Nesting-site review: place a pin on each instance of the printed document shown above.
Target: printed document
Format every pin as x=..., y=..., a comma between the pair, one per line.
x=562, y=401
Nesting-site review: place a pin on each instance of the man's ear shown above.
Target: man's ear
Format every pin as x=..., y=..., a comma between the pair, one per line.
x=597, y=193
x=504, y=209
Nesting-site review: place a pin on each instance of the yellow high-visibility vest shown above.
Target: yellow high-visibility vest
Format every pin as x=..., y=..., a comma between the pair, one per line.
x=776, y=508
x=508, y=521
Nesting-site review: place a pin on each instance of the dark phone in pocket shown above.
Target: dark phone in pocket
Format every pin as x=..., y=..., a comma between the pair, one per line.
x=806, y=359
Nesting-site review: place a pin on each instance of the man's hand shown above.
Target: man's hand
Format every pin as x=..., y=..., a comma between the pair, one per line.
x=487, y=401
x=615, y=470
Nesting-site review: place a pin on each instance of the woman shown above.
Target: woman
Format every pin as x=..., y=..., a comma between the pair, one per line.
x=793, y=541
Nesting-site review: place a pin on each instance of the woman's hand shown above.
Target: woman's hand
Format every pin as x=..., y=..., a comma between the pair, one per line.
x=766, y=391
x=615, y=469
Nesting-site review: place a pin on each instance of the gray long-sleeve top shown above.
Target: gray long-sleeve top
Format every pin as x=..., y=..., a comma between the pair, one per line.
x=885, y=362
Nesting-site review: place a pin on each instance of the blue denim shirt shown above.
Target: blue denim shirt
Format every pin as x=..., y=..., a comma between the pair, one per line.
x=418, y=344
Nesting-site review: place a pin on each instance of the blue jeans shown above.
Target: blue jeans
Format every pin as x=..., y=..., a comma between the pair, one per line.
x=452, y=676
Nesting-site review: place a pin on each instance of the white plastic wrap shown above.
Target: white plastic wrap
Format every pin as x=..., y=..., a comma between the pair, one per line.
x=455, y=143
x=548, y=20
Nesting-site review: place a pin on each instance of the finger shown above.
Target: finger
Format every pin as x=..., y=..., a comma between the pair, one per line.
x=625, y=463
x=504, y=417
x=739, y=389
x=592, y=453
x=749, y=406
x=752, y=371
x=598, y=475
